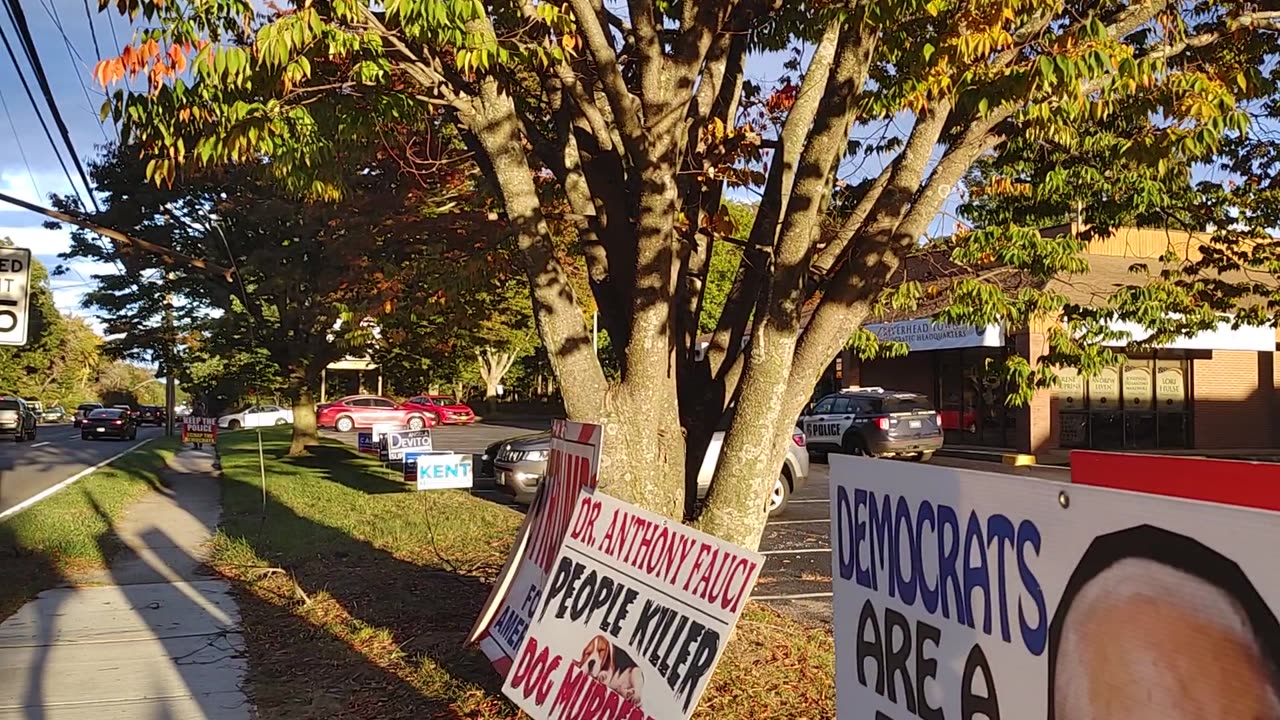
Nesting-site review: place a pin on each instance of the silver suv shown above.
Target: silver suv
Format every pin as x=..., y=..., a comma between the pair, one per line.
x=519, y=464
x=16, y=419
x=876, y=422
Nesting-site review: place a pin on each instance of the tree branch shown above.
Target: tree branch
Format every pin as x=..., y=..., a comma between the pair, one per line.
x=170, y=256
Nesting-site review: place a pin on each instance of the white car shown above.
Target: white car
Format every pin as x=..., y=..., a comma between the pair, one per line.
x=256, y=416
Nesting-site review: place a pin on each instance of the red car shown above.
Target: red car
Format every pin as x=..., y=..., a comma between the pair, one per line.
x=443, y=408
x=362, y=411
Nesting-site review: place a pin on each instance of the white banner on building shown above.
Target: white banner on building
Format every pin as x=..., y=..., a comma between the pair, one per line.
x=961, y=594
x=926, y=334
x=636, y=613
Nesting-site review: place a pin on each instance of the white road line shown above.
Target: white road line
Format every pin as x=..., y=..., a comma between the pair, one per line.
x=795, y=552
x=40, y=444
x=65, y=483
x=824, y=501
x=73, y=437
x=798, y=522
x=795, y=596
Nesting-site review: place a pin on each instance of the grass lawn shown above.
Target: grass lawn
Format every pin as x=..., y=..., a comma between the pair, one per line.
x=356, y=595
x=70, y=532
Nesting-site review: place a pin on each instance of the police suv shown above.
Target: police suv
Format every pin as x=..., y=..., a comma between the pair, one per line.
x=876, y=422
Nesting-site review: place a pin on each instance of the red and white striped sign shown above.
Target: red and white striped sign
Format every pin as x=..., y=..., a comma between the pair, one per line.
x=574, y=464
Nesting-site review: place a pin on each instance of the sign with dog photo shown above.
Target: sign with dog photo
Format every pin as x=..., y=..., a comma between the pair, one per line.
x=967, y=595
x=574, y=464
x=635, y=614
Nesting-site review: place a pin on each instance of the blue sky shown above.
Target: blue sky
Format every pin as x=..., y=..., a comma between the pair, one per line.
x=29, y=168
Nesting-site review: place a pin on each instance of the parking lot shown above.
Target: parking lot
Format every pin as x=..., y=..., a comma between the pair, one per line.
x=796, y=544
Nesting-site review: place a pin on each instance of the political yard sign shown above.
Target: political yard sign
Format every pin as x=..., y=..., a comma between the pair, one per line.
x=365, y=443
x=574, y=464
x=635, y=615
x=392, y=445
x=965, y=595
x=199, y=429
x=442, y=470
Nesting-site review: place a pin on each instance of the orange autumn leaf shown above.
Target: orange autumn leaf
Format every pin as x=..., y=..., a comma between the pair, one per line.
x=177, y=58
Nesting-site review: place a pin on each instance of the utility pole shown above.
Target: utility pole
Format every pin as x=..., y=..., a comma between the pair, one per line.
x=170, y=385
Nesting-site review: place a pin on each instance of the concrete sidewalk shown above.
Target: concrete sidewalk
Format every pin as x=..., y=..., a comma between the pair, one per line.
x=152, y=638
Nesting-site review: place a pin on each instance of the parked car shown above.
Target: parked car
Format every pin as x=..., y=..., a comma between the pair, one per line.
x=362, y=411
x=54, y=414
x=519, y=465
x=16, y=419
x=443, y=408
x=256, y=416
x=82, y=410
x=876, y=422
x=151, y=415
x=112, y=422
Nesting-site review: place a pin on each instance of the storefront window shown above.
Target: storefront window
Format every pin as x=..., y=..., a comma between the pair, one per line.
x=1171, y=386
x=971, y=397
x=1069, y=392
x=1104, y=389
x=1138, y=391
x=1141, y=404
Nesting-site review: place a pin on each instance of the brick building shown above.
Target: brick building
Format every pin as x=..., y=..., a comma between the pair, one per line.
x=1217, y=390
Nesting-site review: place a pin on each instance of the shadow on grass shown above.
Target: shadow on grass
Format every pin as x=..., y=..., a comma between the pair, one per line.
x=363, y=631
x=340, y=465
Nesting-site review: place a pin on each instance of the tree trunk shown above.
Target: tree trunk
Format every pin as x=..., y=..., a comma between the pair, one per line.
x=306, y=434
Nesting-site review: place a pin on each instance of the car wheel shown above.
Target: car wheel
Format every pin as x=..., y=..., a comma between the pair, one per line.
x=85, y=437
x=345, y=424
x=281, y=421
x=923, y=457
x=417, y=423
x=233, y=425
x=779, y=495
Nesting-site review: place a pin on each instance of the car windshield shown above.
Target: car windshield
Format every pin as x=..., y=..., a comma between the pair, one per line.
x=106, y=413
x=444, y=400
x=8, y=404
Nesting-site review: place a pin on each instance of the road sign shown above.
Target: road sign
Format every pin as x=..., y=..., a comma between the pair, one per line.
x=15, y=282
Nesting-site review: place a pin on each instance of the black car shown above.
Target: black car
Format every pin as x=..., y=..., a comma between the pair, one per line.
x=109, y=423
x=151, y=415
x=83, y=410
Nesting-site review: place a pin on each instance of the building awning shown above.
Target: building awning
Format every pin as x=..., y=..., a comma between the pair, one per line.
x=926, y=334
x=352, y=364
x=1223, y=337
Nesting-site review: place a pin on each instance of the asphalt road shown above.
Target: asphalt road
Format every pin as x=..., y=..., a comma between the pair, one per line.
x=57, y=454
x=796, y=578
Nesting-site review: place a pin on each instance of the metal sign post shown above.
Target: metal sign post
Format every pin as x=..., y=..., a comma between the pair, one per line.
x=15, y=283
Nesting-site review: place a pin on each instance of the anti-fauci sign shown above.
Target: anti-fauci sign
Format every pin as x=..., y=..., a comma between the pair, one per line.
x=968, y=595
x=574, y=464
x=634, y=617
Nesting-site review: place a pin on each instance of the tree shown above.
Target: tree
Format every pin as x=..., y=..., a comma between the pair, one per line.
x=56, y=352
x=306, y=275
x=639, y=122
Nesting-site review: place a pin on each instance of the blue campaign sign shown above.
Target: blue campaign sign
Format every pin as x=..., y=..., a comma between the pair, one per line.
x=443, y=471
x=364, y=443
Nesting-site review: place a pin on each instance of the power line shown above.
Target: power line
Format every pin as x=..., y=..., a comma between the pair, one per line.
x=24, y=34
x=30, y=96
x=18, y=141
x=88, y=15
x=73, y=55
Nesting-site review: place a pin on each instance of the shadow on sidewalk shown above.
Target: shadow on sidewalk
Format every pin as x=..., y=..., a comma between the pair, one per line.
x=299, y=669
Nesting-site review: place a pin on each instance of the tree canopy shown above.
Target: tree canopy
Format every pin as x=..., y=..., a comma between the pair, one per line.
x=632, y=126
